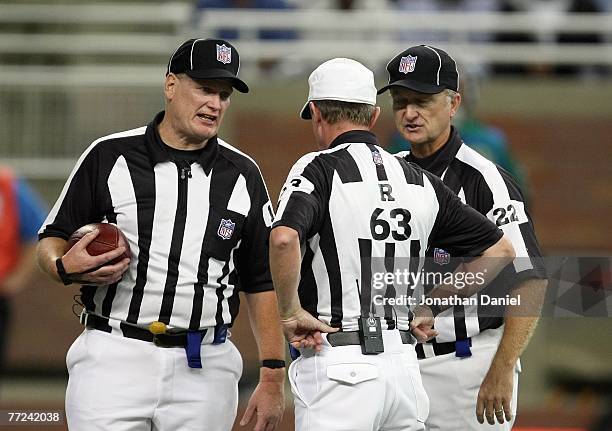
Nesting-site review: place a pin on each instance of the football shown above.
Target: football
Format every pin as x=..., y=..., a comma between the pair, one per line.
x=109, y=238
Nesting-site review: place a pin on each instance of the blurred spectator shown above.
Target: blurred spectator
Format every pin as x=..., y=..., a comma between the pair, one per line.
x=429, y=37
x=21, y=215
x=580, y=6
x=605, y=5
x=549, y=10
x=230, y=34
x=512, y=6
x=479, y=6
x=420, y=36
x=345, y=4
x=270, y=34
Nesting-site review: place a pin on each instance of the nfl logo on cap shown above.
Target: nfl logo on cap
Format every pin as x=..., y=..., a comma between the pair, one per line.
x=224, y=54
x=407, y=64
x=226, y=228
x=441, y=256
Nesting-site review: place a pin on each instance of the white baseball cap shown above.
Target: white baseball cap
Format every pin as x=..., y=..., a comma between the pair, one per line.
x=340, y=79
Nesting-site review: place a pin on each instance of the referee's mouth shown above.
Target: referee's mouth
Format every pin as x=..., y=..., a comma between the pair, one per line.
x=210, y=119
x=412, y=127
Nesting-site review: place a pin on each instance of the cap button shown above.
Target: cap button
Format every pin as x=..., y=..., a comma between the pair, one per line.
x=157, y=328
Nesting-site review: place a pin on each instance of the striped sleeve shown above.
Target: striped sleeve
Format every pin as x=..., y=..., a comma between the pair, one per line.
x=511, y=215
x=503, y=203
x=459, y=228
x=304, y=196
x=254, y=261
x=77, y=203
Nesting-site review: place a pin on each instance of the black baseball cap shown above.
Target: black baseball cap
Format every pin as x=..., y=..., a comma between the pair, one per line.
x=423, y=68
x=208, y=59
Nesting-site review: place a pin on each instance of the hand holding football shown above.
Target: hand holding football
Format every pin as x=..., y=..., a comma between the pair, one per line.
x=109, y=238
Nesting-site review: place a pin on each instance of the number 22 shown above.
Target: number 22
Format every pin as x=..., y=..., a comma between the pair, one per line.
x=505, y=215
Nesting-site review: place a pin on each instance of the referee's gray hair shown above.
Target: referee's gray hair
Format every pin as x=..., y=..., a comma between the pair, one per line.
x=335, y=111
x=451, y=94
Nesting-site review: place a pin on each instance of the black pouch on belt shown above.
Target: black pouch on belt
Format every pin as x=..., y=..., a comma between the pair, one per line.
x=370, y=335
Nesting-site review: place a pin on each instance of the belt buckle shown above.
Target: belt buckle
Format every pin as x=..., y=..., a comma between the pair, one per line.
x=84, y=317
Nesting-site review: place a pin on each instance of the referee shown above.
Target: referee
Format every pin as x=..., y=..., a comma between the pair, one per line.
x=196, y=213
x=346, y=215
x=472, y=365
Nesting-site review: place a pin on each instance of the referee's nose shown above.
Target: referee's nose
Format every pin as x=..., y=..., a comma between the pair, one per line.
x=410, y=111
x=214, y=100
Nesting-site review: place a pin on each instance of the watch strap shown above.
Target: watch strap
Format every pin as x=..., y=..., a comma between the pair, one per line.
x=273, y=363
x=61, y=271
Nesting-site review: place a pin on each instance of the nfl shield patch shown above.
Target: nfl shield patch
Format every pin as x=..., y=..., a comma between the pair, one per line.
x=226, y=228
x=407, y=64
x=441, y=256
x=224, y=54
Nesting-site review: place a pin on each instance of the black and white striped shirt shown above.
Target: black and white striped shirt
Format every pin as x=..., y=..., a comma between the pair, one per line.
x=361, y=211
x=493, y=192
x=197, y=228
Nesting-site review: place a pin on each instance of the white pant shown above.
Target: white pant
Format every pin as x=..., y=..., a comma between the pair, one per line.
x=122, y=384
x=340, y=389
x=452, y=385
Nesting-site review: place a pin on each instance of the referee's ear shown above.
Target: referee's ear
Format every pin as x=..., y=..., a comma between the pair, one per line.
x=374, y=118
x=315, y=113
x=455, y=102
x=170, y=86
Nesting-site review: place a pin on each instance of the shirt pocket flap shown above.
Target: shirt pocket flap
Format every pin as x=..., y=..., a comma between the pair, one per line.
x=352, y=373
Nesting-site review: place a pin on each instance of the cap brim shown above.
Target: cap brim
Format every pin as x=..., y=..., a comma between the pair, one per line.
x=237, y=83
x=413, y=85
x=305, y=112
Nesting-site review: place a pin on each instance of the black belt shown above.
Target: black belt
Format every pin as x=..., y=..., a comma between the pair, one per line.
x=438, y=348
x=451, y=346
x=92, y=321
x=351, y=338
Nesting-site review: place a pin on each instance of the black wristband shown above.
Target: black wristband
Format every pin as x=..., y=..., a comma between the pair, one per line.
x=273, y=363
x=61, y=271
